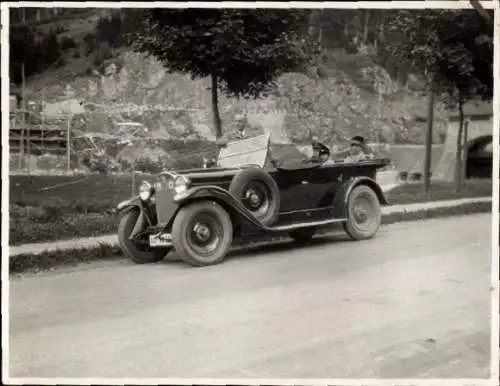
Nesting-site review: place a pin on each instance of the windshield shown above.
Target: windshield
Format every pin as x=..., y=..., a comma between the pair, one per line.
x=251, y=151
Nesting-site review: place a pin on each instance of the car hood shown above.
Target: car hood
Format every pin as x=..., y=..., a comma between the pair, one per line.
x=208, y=175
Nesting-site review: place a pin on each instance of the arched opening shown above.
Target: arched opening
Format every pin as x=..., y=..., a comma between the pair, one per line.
x=480, y=157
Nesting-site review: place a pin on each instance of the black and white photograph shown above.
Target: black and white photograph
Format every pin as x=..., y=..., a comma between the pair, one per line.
x=250, y=193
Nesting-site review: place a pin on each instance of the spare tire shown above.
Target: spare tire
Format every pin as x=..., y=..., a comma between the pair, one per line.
x=258, y=192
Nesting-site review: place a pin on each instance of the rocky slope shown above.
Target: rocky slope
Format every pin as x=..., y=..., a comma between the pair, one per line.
x=352, y=96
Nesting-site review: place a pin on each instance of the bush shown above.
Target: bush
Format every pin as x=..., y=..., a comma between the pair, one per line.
x=98, y=161
x=103, y=54
x=68, y=43
x=37, y=54
x=148, y=165
x=60, y=29
x=90, y=41
x=109, y=30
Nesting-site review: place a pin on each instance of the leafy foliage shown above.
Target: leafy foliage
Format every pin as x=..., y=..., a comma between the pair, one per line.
x=243, y=51
x=109, y=30
x=37, y=53
x=454, y=49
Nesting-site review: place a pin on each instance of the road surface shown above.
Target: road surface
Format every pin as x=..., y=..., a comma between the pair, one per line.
x=414, y=302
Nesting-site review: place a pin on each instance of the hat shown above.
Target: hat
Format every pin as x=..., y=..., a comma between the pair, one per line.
x=357, y=140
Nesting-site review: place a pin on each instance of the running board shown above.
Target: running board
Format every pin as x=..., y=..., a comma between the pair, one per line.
x=281, y=228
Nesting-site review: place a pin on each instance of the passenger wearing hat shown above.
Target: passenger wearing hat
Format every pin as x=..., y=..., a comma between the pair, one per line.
x=321, y=152
x=358, y=150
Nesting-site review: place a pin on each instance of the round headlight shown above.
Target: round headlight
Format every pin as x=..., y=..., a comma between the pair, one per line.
x=181, y=184
x=145, y=190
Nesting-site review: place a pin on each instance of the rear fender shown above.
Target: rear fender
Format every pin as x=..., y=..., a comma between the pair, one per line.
x=145, y=218
x=342, y=196
x=235, y=208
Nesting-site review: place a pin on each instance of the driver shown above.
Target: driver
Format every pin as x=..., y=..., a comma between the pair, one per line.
x=321, y=153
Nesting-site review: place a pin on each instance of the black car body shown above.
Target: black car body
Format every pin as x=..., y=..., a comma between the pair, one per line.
x=200, y=211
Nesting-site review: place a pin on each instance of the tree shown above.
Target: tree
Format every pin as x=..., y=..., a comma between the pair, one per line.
x=242, y=51
x=454, y=50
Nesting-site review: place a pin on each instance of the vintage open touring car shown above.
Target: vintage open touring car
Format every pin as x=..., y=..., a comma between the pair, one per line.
x=198, y=212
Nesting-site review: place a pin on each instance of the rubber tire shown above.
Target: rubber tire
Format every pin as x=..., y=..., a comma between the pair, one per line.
x=350, y=226
x=303, y=235
x=244, y=177
x=179, y=233
x=128, y=247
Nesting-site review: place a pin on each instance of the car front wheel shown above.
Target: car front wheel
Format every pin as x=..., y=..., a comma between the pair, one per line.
x=138, y=251
x=364, y=213
x=202, y=233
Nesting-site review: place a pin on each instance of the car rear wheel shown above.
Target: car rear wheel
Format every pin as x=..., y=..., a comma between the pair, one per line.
x=258, y=192
x=139, y=250
x=303, y=235
x=202, y=233
x=364, y=213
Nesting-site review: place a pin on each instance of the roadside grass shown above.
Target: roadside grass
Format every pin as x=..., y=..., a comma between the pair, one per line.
x=49, y=260
x=427, y=214
x=70, y=257
x=71, y=226
x=412, y=193
x=50, y=208
x=92, y=193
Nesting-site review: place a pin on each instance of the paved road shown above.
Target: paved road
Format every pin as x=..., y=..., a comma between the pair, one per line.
x=414, y=302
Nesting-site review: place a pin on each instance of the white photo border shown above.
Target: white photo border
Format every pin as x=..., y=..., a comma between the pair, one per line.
x=494, y=287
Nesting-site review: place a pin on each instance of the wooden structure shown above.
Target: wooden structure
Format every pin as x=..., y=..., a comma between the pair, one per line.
x=31, y=134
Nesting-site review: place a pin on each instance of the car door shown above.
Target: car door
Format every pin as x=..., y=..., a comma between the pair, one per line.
x=293, y=188
x=324, y=182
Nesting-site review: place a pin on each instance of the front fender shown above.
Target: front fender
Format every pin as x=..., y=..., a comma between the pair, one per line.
x=126, y=205
x=342, y=196
x=221, y=196
x=146, y=215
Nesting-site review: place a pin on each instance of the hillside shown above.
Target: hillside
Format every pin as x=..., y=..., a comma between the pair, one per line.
x=352, y=95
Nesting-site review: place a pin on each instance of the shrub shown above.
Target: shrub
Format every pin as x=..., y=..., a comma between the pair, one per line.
x=90, y=42
x=103, y=54
x=68, y=43
x=98, y=161
x=148, y=165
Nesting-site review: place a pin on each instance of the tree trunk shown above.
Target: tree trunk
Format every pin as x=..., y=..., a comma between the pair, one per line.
x=381, y=32
x=346, y=26
x=428, y=141
x=365, y=28
x=463, y=175
x=458, y=165
x=215, y=107
x=320, y=27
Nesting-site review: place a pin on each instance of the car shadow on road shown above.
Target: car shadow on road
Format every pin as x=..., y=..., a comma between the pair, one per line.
x=264, y=248
x=288, y=245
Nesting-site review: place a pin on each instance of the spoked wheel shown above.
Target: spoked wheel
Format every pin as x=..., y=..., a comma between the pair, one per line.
x=364, y=213
x=137, y=250
x=303, y=235
x=202, y=233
